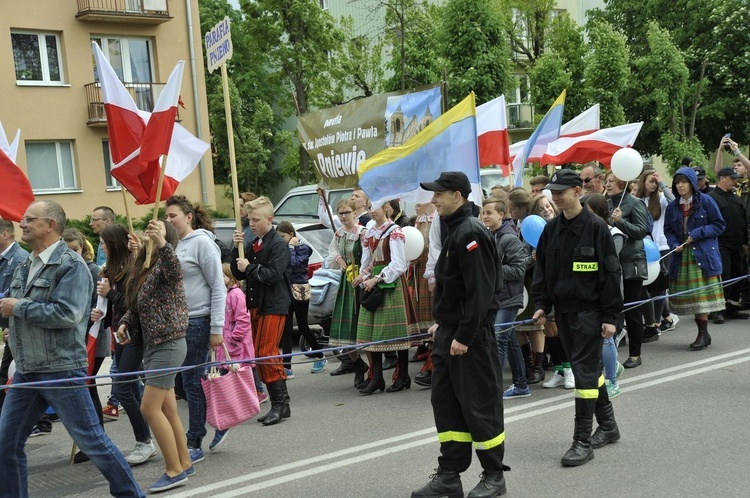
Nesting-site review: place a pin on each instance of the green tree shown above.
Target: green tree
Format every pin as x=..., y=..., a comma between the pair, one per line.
x=301, y=44
x=548, y=79
x=527, y=24
x=607, y=72
x=360, y=66
x=475, y=48
x=566, y=41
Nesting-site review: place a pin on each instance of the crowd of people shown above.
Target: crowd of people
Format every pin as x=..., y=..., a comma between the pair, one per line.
x=552, y=308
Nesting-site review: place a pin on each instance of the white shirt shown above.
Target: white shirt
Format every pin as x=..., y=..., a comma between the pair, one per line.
x=41, y=259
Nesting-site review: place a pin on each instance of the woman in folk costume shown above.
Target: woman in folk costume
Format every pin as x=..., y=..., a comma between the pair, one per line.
x=384, y=264
x=421, y=290
x=345, y=252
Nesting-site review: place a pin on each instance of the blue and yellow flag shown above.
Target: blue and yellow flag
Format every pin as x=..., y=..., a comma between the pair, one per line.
x=547, y=131
x=448, y=144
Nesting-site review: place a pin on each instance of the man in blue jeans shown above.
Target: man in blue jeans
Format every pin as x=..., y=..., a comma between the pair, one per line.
x=48, y=307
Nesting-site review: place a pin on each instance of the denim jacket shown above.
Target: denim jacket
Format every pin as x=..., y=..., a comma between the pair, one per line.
x=48, y=326
x=8, y=263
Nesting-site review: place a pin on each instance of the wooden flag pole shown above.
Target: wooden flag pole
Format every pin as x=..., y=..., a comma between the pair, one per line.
x=232, y=158
x=157, y=202
x=127, y=211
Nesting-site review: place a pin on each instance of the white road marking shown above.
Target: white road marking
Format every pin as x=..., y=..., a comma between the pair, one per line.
x=558, y=403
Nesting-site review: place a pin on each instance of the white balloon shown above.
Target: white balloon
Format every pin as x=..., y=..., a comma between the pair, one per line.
x=414, y=243
x=627, y=164
x=548, y=194
x=11, y=368
x=654, y=268
x=525, y=301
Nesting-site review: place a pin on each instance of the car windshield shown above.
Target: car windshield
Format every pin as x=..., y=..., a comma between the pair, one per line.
x=318, y=236
x=301, y=205
x=489, y=180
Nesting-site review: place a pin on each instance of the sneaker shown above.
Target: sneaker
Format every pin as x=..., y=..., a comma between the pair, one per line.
x=557, y=380
x=191, y=471
x=141, y=453
x=651, y=334
x=219, y=438
x=318, y=365
x=262, y=398
x=196, y=455
x=619, y=370
x=111, y=412
x=620, y=336
x=40, y=431
x=612, y=390
x=515, y=392
x=289, y=373
x=53, y=417
x=570, y=380
x=165, y=482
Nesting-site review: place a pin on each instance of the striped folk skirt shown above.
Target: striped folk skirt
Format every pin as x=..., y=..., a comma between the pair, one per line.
x=394, y=319
x=345, y=315
x=422, y=298
x=690, y=276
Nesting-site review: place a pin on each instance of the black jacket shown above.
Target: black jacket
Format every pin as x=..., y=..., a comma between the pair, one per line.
x=513, y=257
x=468, y=275
x=733, y=212
x=577, y=268
x=634, y=224
x=267, y=275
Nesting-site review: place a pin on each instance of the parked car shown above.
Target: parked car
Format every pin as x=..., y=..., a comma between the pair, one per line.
x=302, y=202
x=489, y=177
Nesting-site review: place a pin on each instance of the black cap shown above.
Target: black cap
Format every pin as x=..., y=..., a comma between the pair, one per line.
x=730, y=172
x=450, y=181
x=563, y=180
x=700, y=172
x=686, y=161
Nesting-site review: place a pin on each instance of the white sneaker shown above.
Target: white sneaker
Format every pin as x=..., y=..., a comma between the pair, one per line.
x=556, y=380
x=619, y=336
x=570, y=381
x=141, y=453
x=675, y=319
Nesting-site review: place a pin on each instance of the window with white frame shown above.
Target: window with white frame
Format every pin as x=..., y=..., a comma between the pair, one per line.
x=112, y=182
x=323, y=4
x=50, y=165
x=131, y=58
x=37, y=57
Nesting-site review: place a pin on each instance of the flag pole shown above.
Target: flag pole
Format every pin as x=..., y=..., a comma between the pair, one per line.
x=127, y=210
x=157, y=201
x=232, y=157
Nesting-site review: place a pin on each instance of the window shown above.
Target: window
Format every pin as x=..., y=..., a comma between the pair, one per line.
x=129, y=57
x=323, y=4
x=37, y=58
x=112, y=182
x=50, y=166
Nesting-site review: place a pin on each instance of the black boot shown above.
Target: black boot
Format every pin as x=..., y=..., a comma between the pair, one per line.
x=346, y=366
x=490, y=485
x=536, y=374
x=390, y=361
x=528, y=357
x=607, y=432
x=377, y=382
x=442, y=483
x=360, y=369
x=580, y=451
x=279, y=403
x=403, y=381
x=703, y=340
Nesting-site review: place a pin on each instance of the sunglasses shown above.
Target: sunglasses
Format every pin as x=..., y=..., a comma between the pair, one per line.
x=587, y=180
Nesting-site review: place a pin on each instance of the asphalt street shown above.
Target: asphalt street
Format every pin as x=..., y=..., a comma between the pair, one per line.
x=682, y=415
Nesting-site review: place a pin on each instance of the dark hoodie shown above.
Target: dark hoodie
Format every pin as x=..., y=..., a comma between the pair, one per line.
x=704, y=225
x=511, y=252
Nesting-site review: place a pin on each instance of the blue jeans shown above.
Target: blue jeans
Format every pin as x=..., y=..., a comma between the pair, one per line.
x=198, y=337
x=609, y=358
x=130, y=359
x=24, y=407
x=507, y=346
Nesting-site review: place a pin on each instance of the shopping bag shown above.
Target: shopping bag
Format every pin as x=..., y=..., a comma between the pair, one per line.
x=230, y=398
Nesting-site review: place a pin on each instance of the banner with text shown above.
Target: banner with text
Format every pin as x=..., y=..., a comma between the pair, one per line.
x=338, y=139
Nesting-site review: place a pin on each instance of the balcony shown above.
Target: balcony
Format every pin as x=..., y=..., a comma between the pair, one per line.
x=520, y=116
x=127, y=11
x=144, y=95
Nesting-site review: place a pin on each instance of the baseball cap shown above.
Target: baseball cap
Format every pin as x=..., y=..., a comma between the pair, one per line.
x=563, y=180
x=700, y=172
x=730, y=172
x=450, y=181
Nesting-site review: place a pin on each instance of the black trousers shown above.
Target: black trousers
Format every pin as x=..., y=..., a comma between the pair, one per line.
x=731, y=265
x=633, y=290
x=4, y=366
x=467, y=400
x=300, y=309
x=581, y=336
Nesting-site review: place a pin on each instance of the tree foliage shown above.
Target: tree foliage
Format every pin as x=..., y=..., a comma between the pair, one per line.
x=527, y=25
x=566, y=41
x=607, y=72
x=548, y=79
x=475, y=48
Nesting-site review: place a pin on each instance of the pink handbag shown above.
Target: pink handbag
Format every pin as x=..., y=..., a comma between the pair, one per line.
x=231, y=398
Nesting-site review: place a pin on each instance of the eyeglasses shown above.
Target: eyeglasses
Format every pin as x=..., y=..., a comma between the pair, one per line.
x=345, y=213
x=586, y=180
x=28, y=219
x=97, y=219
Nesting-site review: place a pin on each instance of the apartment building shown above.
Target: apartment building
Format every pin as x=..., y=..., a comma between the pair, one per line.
x=49, y=90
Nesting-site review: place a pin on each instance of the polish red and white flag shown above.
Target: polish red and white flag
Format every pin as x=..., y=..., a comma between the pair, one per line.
x=598, y=146
x=15, y=189
x=492, y=132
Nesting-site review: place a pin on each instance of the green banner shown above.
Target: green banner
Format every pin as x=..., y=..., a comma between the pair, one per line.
x=339, y=138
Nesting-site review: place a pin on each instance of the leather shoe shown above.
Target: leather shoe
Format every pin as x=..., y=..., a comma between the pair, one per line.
x=632, y=362
x=423, y=379
x=490, y=485
x=736, y=315
x=400, y=384
x=343, y=370
x=718, y=317
x=390, y=363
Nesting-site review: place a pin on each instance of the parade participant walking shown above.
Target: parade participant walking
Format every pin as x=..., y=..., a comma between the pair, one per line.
x=157, y=320
x=48, y=306
x=692, y=225
x=467, y=400
x=266, y=270
x=578, y=273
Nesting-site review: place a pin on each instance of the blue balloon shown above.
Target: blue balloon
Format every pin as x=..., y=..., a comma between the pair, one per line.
x=532, y=228
x=652, y=250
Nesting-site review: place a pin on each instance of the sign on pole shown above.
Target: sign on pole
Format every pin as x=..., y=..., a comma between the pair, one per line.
x=218, y=52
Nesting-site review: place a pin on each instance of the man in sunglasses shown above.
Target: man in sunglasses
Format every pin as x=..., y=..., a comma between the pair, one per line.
x=593, y=179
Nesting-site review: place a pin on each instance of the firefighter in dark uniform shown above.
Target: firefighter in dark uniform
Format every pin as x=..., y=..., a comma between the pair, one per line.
x=577, y=272
x=467, y=398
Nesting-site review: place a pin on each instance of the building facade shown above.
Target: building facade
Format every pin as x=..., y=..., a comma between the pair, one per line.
x=49, y=88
